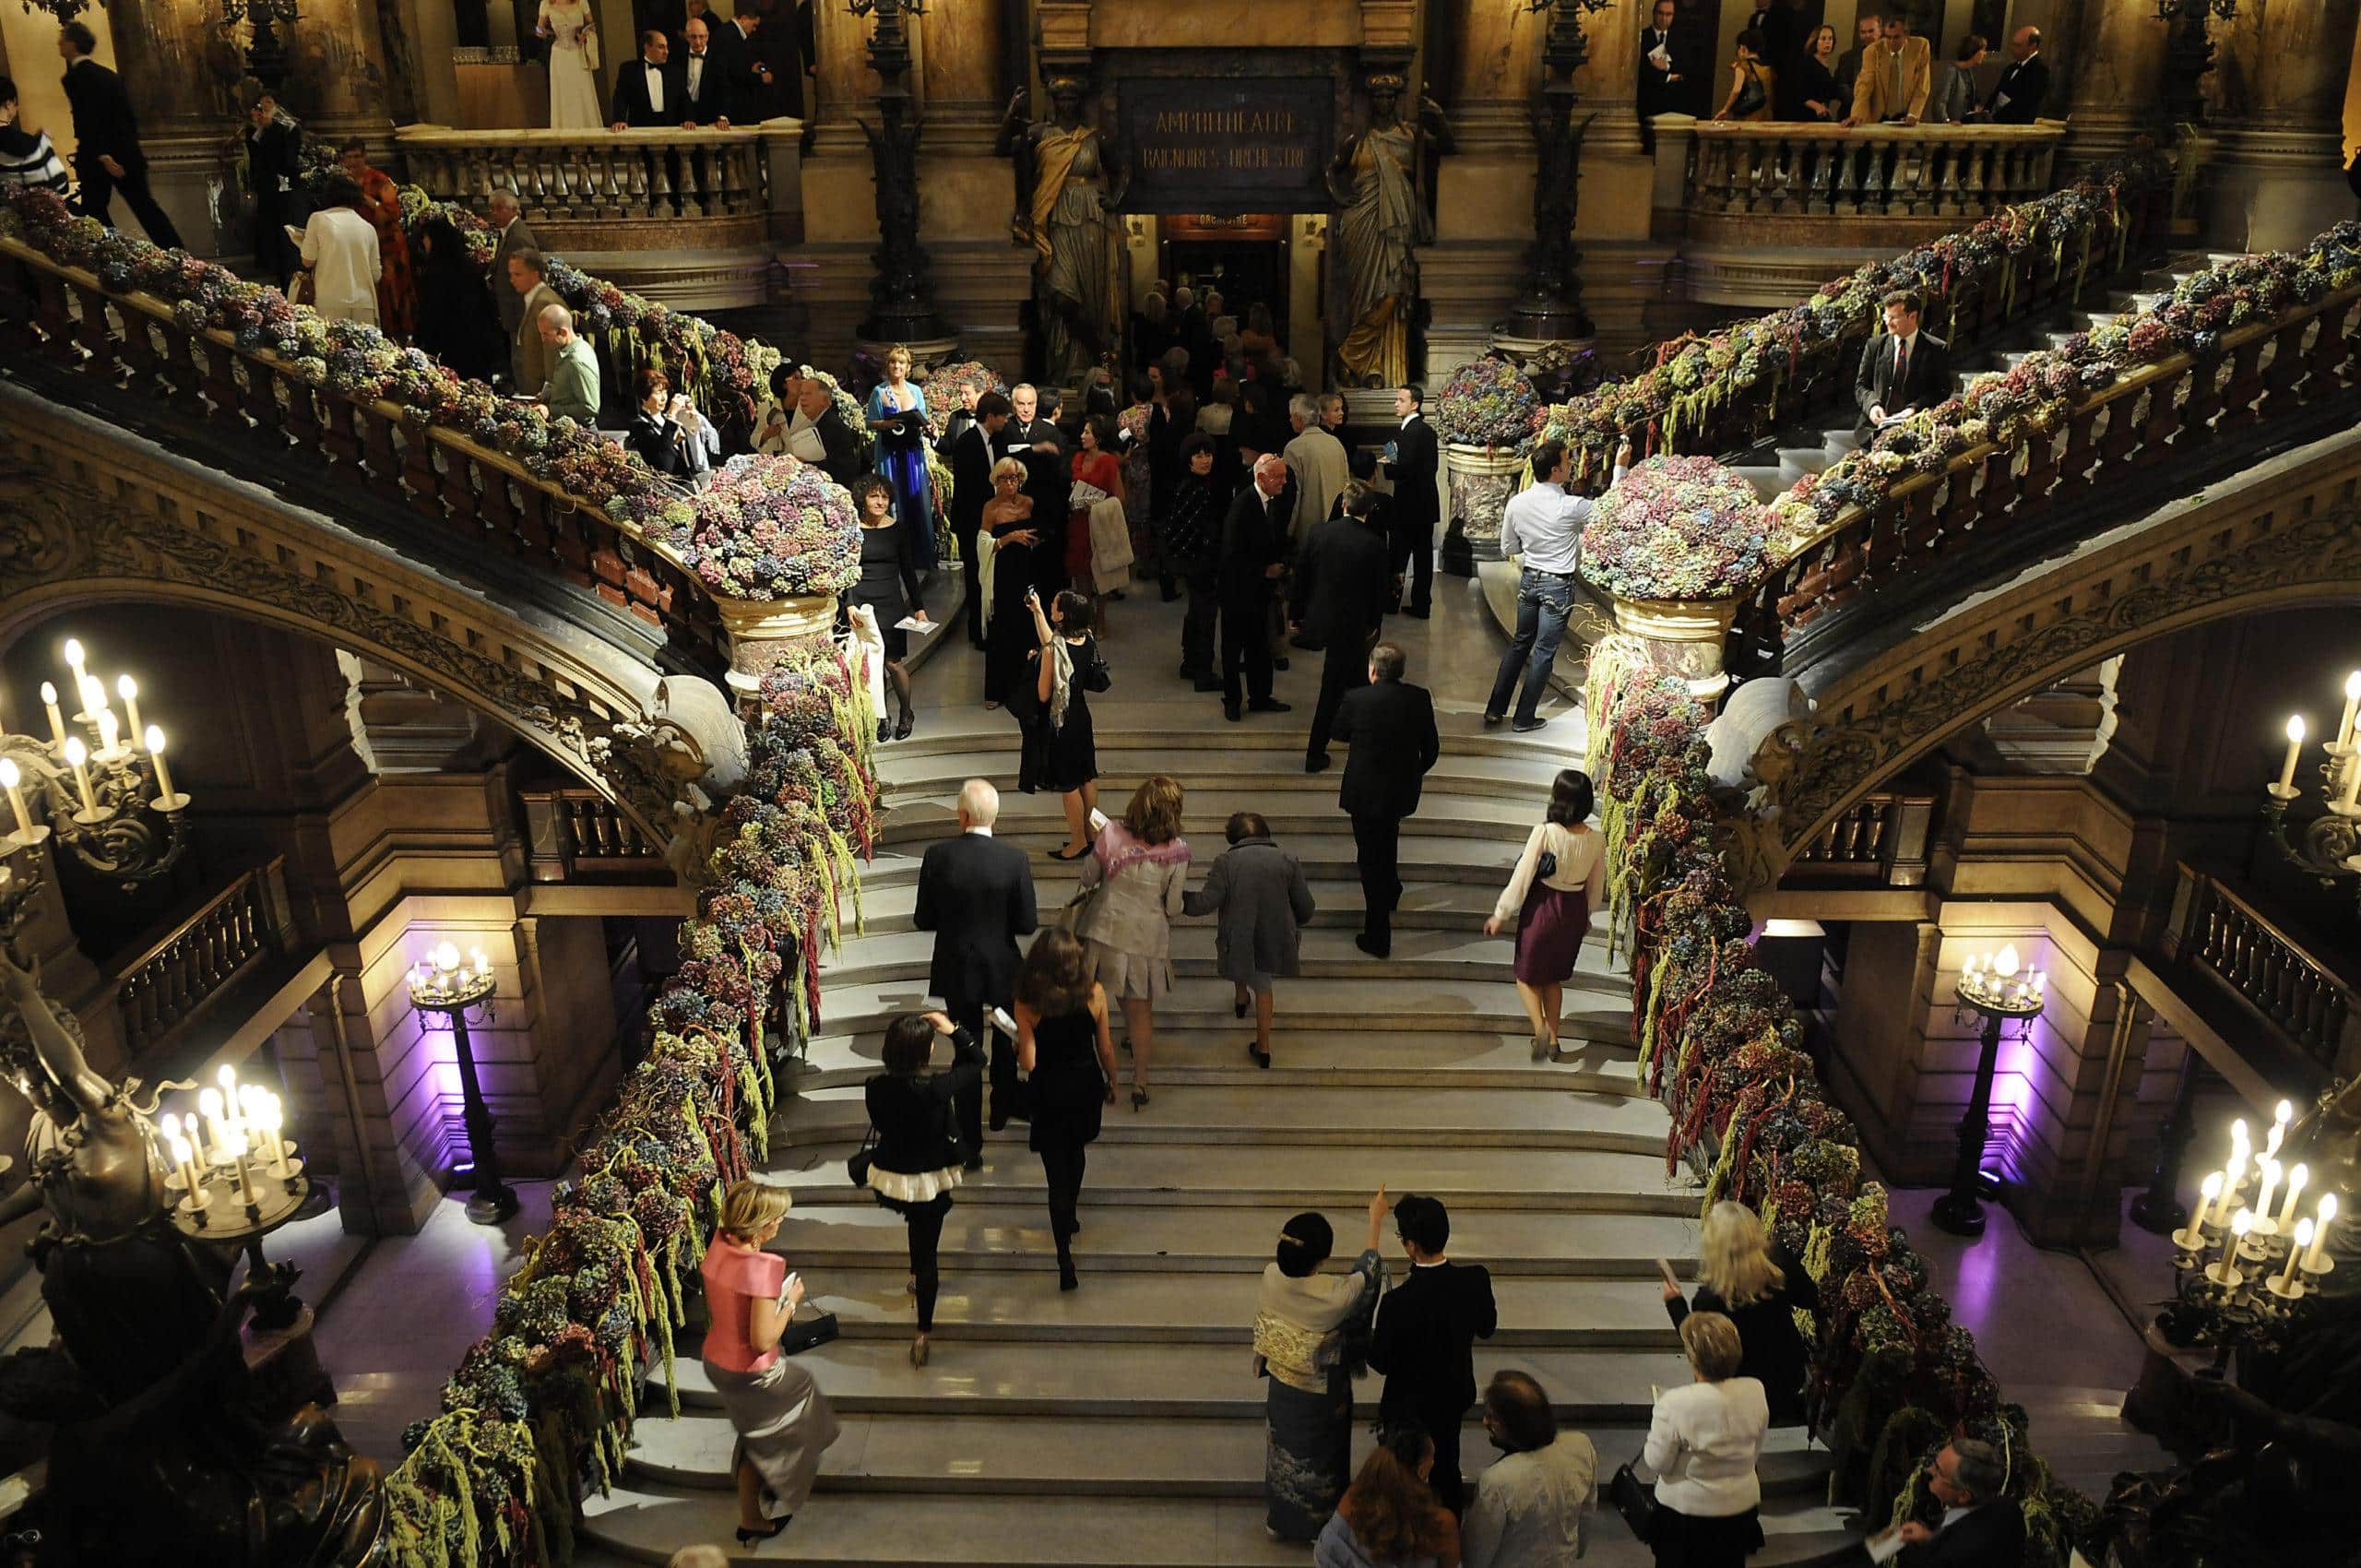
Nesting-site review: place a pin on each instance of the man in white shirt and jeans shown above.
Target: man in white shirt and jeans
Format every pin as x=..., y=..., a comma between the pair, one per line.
x=1544, y=526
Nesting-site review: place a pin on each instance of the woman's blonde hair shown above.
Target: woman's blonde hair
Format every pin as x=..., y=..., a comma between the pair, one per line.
x=1154, y=816
x=899, y=351
x=1007, y=466
x=751, y=1206
x=1712, y=1345
x=1733, y=1257
x=698, y=1556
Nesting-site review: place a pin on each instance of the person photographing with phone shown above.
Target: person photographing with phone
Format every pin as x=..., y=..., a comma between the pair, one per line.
x=783, y=1422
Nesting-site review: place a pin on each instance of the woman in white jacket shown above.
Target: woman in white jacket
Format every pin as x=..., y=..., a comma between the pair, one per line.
x=1703, y=1439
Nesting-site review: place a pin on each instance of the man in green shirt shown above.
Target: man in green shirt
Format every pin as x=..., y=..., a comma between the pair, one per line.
x=573, y=389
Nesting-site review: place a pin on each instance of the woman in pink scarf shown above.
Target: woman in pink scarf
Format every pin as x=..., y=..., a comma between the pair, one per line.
x=1133, y=883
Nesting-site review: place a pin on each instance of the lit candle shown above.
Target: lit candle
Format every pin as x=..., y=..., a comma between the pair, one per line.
x=446, y=956
x=2295, y=750
x=56, y=719
x=108, y=732
x=2270, y=1186
x=94, y=700
x=128, y=690
x=155, y=739
x=2271, y=1143
x=2233, y=1177
x=2296, y=1179
x=2316, y=1259
x=481, y=964
x=2350, y=795
x=184, y=1159
x=77, y=755
x=11, y=780
x=2296, y=1253
x=73, y=652
x=2208, y=1195
x=235, y=1156
x=2352, y=705
x=232, y=1115
x=208, y=1102
x=2227, y=1270
x=273, y=1119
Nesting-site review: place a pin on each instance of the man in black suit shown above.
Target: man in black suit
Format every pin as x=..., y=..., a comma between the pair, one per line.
x=1425, y=1337
x=704, y=80
x=1253, y=554
x=1390, y=725
x=976, y=895
x=1980, y=1528
x=2017, y=96
x=750, y=78
x=1030, y=421
x=647, y=97
x=1904, y=370
x=972, y=457
x=1663, y=73
x=106, y=139
x=1415, y=507
x=1341, y=580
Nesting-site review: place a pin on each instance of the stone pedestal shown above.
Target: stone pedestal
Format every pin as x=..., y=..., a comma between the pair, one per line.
x=1686, y=637
x=761, y=633
x=1482, y=479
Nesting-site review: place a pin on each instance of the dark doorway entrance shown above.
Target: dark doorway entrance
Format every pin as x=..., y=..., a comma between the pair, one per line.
x=1244, y=257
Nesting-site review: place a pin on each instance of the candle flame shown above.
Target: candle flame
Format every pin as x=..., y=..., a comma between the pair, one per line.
x=126, y=687
x=2243, y=1223
x=2327, y=1211
x=155, y=739
x=2303, y=1234
x=2352, y=686
x=10, y=777
x=76, y=754
x=73, y=651
x=49, y=694
x=2294, y=729
x=2005, y=964
x=2213, y=1187
x=446, y=956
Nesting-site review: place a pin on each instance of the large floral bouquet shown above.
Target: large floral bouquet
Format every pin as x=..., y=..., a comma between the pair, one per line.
x=946, y=388
x=1487, y=402
x=1676, y=527
x=765, y=527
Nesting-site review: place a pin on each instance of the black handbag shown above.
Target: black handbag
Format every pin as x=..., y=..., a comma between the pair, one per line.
x=1635, y=1499
x=1546, y=866
x=857, y=1166
x=803, y=1331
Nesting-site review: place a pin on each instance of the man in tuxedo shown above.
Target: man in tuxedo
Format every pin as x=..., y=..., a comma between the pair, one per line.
x=704, y=97
x=1027, y=425
x=976, y=895
x=2017, y=96
x=1425, y=1338
x=1253, y=554
x=1663, y=74
x=647, y=97
x=1417, y=508
x=1341, y=580
x=1904, y=370
x=1390, y=725
x=749, y=78
x=516, y=236
x=107, y=157
x=788, y=50
x=972, y=457
x=1980, y=1528
x=1897, y=72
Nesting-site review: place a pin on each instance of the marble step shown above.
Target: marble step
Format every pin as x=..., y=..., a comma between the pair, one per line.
x=1321, y=844
x=867, y=1376
x=1038, y=821
x=646, y=1522
x=1210, y=1050
x=1147, y=723
x=1172, y=1307
x=1143, y=1457
x=1446, y=906
x=1339, y=1178
x=1120, y=767
x=1120, y=1237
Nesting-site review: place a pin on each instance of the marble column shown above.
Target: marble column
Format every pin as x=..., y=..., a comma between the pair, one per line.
x=2277, y=95
x=2114, y=71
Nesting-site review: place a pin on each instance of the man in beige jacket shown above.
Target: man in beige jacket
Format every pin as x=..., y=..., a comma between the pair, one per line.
x=1896, y=72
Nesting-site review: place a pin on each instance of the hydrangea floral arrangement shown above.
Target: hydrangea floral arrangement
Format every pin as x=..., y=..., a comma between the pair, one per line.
x=1890, y=1372
x=946, y=386
x=1676, y=527
x=765, y=527
x=1487, y=402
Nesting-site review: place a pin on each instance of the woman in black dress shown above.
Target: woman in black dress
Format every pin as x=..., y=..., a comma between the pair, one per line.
x=1759, y=1287
x=457, y=320
x=889, y=586
x=1062, y=1042
x=916, y=1160
x=1061, y=749
x=1009, y=531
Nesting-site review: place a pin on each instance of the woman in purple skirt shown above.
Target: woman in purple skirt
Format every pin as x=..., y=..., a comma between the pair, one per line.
x=1558, y=880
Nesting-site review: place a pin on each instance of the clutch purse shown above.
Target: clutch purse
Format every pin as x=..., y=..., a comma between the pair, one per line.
x=857, y=1167
x=1635, y=1499
x=1083, y=497
x=807, y=1329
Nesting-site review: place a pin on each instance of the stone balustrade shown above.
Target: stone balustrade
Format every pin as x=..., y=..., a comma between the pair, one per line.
x=176, y=976
x=2274, y=972
x=1804, y=170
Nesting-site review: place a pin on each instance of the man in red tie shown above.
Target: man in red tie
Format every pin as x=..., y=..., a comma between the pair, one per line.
x=1904, y=370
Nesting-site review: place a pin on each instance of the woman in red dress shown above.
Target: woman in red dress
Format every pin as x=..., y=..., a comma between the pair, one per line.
x=1096, y=465
x=381, y=203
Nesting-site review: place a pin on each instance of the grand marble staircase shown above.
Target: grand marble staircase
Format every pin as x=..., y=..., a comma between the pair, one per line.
x=1120, y=1424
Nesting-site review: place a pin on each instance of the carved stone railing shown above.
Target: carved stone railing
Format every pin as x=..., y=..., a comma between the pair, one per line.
x=173, y=977
x=2214, y=929
x=1881, y=838
x=608, y=190
x=2149, y=415
x=1775, y=169
x=262, y=409
x=577, y=834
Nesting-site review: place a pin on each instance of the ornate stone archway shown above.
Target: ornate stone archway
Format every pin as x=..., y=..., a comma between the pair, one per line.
x=2287, y=535
x=121, y=523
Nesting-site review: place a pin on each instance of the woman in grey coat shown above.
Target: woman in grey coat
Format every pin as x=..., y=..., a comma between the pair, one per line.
x=1258, y=891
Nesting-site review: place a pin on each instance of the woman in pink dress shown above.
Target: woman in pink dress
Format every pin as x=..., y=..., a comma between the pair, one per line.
x=782, y=1420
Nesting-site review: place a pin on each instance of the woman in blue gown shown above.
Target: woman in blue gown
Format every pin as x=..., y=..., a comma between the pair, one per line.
x=897, y=414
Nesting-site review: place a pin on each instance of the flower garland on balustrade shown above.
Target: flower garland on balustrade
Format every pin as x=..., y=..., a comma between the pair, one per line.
x=2035, y=396
x=1891, y=1374
x=1676, y=527
x=945, y=385
x=1694, y=376
x=1489, y=402
x=540, y=1411
x=765, y=527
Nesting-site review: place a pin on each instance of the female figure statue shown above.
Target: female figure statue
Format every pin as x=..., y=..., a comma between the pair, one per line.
x=1063, y=168
x=1382, y=217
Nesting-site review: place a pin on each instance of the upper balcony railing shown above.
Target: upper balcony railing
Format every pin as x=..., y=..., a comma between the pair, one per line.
x=181, y=971
x=1782, y=168
x=2305, y=1000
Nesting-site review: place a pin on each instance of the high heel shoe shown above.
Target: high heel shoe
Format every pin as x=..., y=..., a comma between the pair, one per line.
x=1139, y=1100
x=1237, y=1009
x=1066, y=1280
x=902, y=730
x=918, y=1351
x=1262, y=1057
x=748, y=1538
